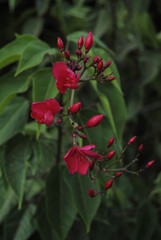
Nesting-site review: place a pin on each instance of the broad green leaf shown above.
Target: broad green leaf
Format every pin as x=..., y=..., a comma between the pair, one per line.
x=44, y=228
x=33, y=26
x=18, y=152
x=87, y=207
x=13, y=51
x=33, y=55
x=10, y=86
x=73, y=37
x=44, y=85
x=13, y=118
x=113, y=107
x=60, y=206
x=147, y=220
x=18, y=225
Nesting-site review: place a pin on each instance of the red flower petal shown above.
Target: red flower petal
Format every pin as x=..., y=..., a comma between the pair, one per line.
x=49, y=118
x=52, y=105
x=83, y=164
x=71, y=160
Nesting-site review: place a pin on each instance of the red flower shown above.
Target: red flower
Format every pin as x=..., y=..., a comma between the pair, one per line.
x=77, y=158
x=44, y=112
x=65, y=77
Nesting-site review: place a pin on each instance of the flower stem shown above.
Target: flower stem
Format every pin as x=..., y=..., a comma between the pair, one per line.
x=72, y=97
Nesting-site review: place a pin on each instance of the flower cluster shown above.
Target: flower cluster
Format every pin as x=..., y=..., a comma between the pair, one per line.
x=68, y=75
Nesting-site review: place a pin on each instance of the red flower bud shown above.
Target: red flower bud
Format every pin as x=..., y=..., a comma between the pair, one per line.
x=58, y=121
x=89, y=41
x=100, y=65
x=67, y=54
x=94, y=121
x=79, y=67
x=108, y=184
x=75, y=108
x=91, y=193
x=60, y=44
x=85, y=60
x=110, y=142
x=118, y=174
x=140, y=148
x=111, y=78
x=150, y=163
x=83, y=136
x=80, y=128
x=74, y=135
x=108, y=63
x=110, y=154
x=91, y=165
x=96, y=59
x=80, y=42
x=78, y=52
x=132, y=140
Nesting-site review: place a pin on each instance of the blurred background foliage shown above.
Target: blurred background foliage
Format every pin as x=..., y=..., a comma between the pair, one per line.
x=132, y=31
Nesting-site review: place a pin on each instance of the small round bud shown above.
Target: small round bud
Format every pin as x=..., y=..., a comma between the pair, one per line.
x=150, y=163
x=95, y=59
x=58, y=121
x=80, y=128
x=67, y=54
x=111, y=78
x=79, y=67
x=91, y=193
x=78, y=52
x=132, y=140
x=60, y=44
x=74, y=135
x=107, y=64
x=89, y=41
x=85, y=60
x=108, y=184
x=110, y=154
x=140, y=148
x=94, y=121
x=75, y=108
x=80, y=42
x=91, y=165
x=118, y=174
x=100, y=65
x=110, y=142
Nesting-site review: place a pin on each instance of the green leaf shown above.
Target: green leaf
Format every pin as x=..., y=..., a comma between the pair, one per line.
x=10, y=86
x=44, y=85
x=87, y=207
x=18, y=152
x=13, y=118
x=18, y=225
x=113, y=107
x=33, y=55
x=13, y=51
x=61, y=210
x=147, y=220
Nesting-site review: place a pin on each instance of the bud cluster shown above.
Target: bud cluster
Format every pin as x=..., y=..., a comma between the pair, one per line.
x=106, y=166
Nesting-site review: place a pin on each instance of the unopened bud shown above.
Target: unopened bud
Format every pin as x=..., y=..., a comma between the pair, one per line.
x=107, y=64
x=111, y=78
x=108, y=184
x=94, y=121
x=100, y=65
x=60, y=44
x=83, y=136
x=89, y=41
x=110, y=142
x=80, y=42
x=118, y=174
x=67, y=54
x=80, y=128
x=140, y=148
x=74, y=135
x=78, y=52
x=132, y=140
x=91, y=193
x=150, y=163
x=91, y=165
x=110, y=154
x=58, y=121
x=95, y=59
x=85, y=60
x=75, y=108
x=79, y=67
